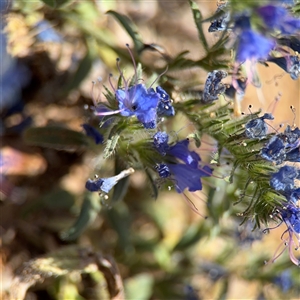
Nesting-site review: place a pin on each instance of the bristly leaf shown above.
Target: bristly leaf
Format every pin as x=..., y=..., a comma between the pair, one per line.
x=199, y=22
x=56, y=137
x=131, y=30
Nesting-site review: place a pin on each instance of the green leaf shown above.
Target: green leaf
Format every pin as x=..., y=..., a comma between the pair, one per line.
x=130, y=28
x=89, y=210
x=56, y=137
x=139, y=287
x=55, y=3
x=198, y=21
x=51, y=3
x=81, y=73
x=119, y=218
x=192, y=235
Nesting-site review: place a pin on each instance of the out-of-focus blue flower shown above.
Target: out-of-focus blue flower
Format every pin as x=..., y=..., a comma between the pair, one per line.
x=257, y=128
x=164, y=107
x=290, y=64
x=93, y=133
x=160, y=141
x=220, y=24
x=283, y=180
x=274, y=150
x=231, y=90
x=213, y=86
x=187, y=177
x=181, y=151
x=140, y=102
x=246, y=234
x=278, y=18
x=290, y=214
x=190, y=293
x=253, y=46
x=250, y=44
x=46, y=33
x=284, y=281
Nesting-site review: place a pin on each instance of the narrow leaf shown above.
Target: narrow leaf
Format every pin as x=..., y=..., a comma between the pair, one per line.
x=90, y=208
x=56, y=137
x=130, y=28
x=198, y=21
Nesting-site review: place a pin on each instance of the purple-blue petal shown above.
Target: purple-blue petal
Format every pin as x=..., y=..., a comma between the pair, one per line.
x=187, y=177
x=182, y=152
x=252, y=45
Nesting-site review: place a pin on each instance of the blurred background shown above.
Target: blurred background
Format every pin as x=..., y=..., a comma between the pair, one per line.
x=51, y=51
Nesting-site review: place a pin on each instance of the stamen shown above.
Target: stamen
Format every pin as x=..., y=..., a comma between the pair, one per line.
x=111, y=85
x=159, y=76
x=134, y=64
x=121, y=73
x=108, y=113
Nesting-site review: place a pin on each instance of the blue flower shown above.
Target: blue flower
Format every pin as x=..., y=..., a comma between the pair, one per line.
x=163, y=171
x=293, y=195
x=213, y=86
x=278, y=18
x=46, y=33
x=160, y=142
x=181, y=151
x=220, y=24
x=290, y=64
x=283, y=180
x=257, y=128
x=187, y=177
x=290, y=214
x=93, y=133
x=253, y=46
x=284, y=281
x=140, y=102
x=274, y=150
x=164, y=107
x=293, y=155
x=106, y=184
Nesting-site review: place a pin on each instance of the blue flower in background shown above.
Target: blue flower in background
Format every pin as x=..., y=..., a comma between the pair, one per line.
x=93, y=133
x=253, y=46
x=284, y=281
x=278, y=18
x=140, y=102
x=46, y=33
x=250, y=44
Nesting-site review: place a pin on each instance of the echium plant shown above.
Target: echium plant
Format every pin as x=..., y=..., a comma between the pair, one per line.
x=132, y=120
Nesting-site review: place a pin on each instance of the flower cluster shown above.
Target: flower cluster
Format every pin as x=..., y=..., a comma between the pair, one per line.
x=281, y=148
